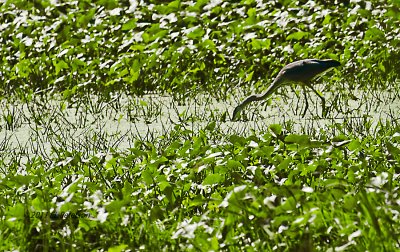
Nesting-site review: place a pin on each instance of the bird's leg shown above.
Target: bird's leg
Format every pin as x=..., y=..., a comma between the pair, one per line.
x=322, y=99
x=305, y=97
x=297, y=95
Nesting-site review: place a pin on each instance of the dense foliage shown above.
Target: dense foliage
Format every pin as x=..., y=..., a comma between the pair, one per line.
x=181, y=47
x=195, y=187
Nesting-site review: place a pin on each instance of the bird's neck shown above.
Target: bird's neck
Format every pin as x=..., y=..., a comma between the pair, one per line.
x=269, y=91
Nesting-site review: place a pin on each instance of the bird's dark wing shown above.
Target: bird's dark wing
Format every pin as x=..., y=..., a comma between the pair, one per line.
x=305, y=70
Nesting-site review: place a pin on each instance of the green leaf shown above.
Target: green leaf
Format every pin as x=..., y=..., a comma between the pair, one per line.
x=118, y=248
x=69, y=207
x=123, y=72
x=266, y=151
x=302, y=140
x=208, y=44
x=214, y=243
x=127, y=190
x=156, y=213
x=163, y=185
x=145, y=37
x=83, y=20
x=138, y=47
x=276, y=129
x=239, y=140
x=22, y=180
x=147, y=177
x=38, y=204
x=233, y=164
x=174, y=5
x=327, y=19
x=77, y=64
x=256, y=44
x=61, y=64
x=196, y=33
x=382, y=67
x=393, y=150
x=212, y=179
x=374, y=34
x=211, y=126
x=297, y=35
x=252, y=16
x=131, y=24
x=249, y=76
x=115, y=206
x=198, y=200
x=354, y=145
x=136, y=65
x=16, y=211
x=284, y=165
x=133, y=77
x=259, y=44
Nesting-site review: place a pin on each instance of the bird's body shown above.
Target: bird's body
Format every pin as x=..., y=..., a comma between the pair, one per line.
x=302, y=71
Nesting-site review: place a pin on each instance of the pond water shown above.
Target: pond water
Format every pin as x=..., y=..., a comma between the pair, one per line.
x=43, y=127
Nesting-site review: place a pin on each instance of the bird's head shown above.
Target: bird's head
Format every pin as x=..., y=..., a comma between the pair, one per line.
x=236, y=112
x=243, y=104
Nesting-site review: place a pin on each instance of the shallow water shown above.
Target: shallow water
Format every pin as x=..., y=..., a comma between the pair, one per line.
x=42, y=128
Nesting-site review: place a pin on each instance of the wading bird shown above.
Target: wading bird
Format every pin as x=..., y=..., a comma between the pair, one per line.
x=302, y=71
